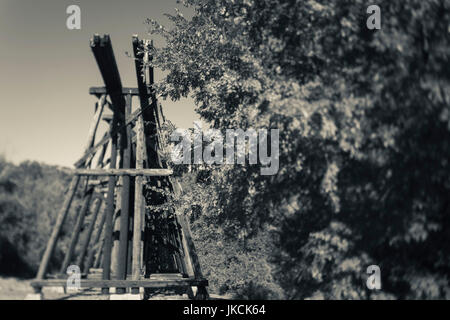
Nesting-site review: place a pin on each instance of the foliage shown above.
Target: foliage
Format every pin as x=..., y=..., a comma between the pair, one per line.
x=30, y=197
x=364, y=118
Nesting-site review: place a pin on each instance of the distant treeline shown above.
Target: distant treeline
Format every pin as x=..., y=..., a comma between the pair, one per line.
x=30, y=196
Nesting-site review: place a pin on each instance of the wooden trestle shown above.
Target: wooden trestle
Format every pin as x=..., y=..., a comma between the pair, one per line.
x=126, y=243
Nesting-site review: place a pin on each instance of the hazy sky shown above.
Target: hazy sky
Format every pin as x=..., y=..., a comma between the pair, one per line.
x=46, y=71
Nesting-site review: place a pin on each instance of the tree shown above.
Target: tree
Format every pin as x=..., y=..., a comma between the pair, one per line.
x=364, y=119
x=30, y=195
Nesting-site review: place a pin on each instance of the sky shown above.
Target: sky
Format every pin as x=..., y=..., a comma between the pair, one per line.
x=46, y=71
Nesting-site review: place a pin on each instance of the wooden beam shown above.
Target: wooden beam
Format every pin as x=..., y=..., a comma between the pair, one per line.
x=76, y=232
x=189, y=246
x=90, y=258
x=139, y=202
x=125, y=199
x=57, y=228
x=124, y=172
x=106, y=61
x=148, y=283
x=147, y=99
x=102, y=90
x=87, y=239
x=95, y=121
x=116, y=225
x=110, y=207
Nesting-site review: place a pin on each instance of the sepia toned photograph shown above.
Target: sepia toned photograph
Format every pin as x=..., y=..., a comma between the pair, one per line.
x=235, y=151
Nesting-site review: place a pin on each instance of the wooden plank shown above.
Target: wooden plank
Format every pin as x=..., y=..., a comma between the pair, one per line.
x=95, y=121
x=106, y=61
x=187, y=259
x=57, y=228
x=87, y=239
x=139, y=202
x=148, y=101
x=124, y=172
x=147, y=283
x=116, y=226
x=76, y=232
x=96, y=241
x=108, y=233
x=191, y=256
x=102, y=90
x=189, y=246
x=166, y=276
x=125, y=199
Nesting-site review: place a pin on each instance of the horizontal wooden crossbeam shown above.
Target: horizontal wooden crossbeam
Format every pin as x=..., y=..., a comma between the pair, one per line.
x=98, y=91
x=147, y=283
x=124, y=172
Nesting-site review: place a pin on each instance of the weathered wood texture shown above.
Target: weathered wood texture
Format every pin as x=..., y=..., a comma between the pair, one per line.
x=125, y=198
x=147, y=283
x=139, y=202
x=124, y=172
x=98, y=91
x=108, y=233
x=106, y=61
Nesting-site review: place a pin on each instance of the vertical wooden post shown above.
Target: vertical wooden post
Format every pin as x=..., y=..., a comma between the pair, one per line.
x=76, y=231
x=125, y=200
x=57, y=228
x=110, y=206
x=116, y=226
x=90, y=229
x=139, y=203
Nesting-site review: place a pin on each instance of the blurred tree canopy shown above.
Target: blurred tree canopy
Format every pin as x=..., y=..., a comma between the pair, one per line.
x=364, y=119
x=30, y=197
